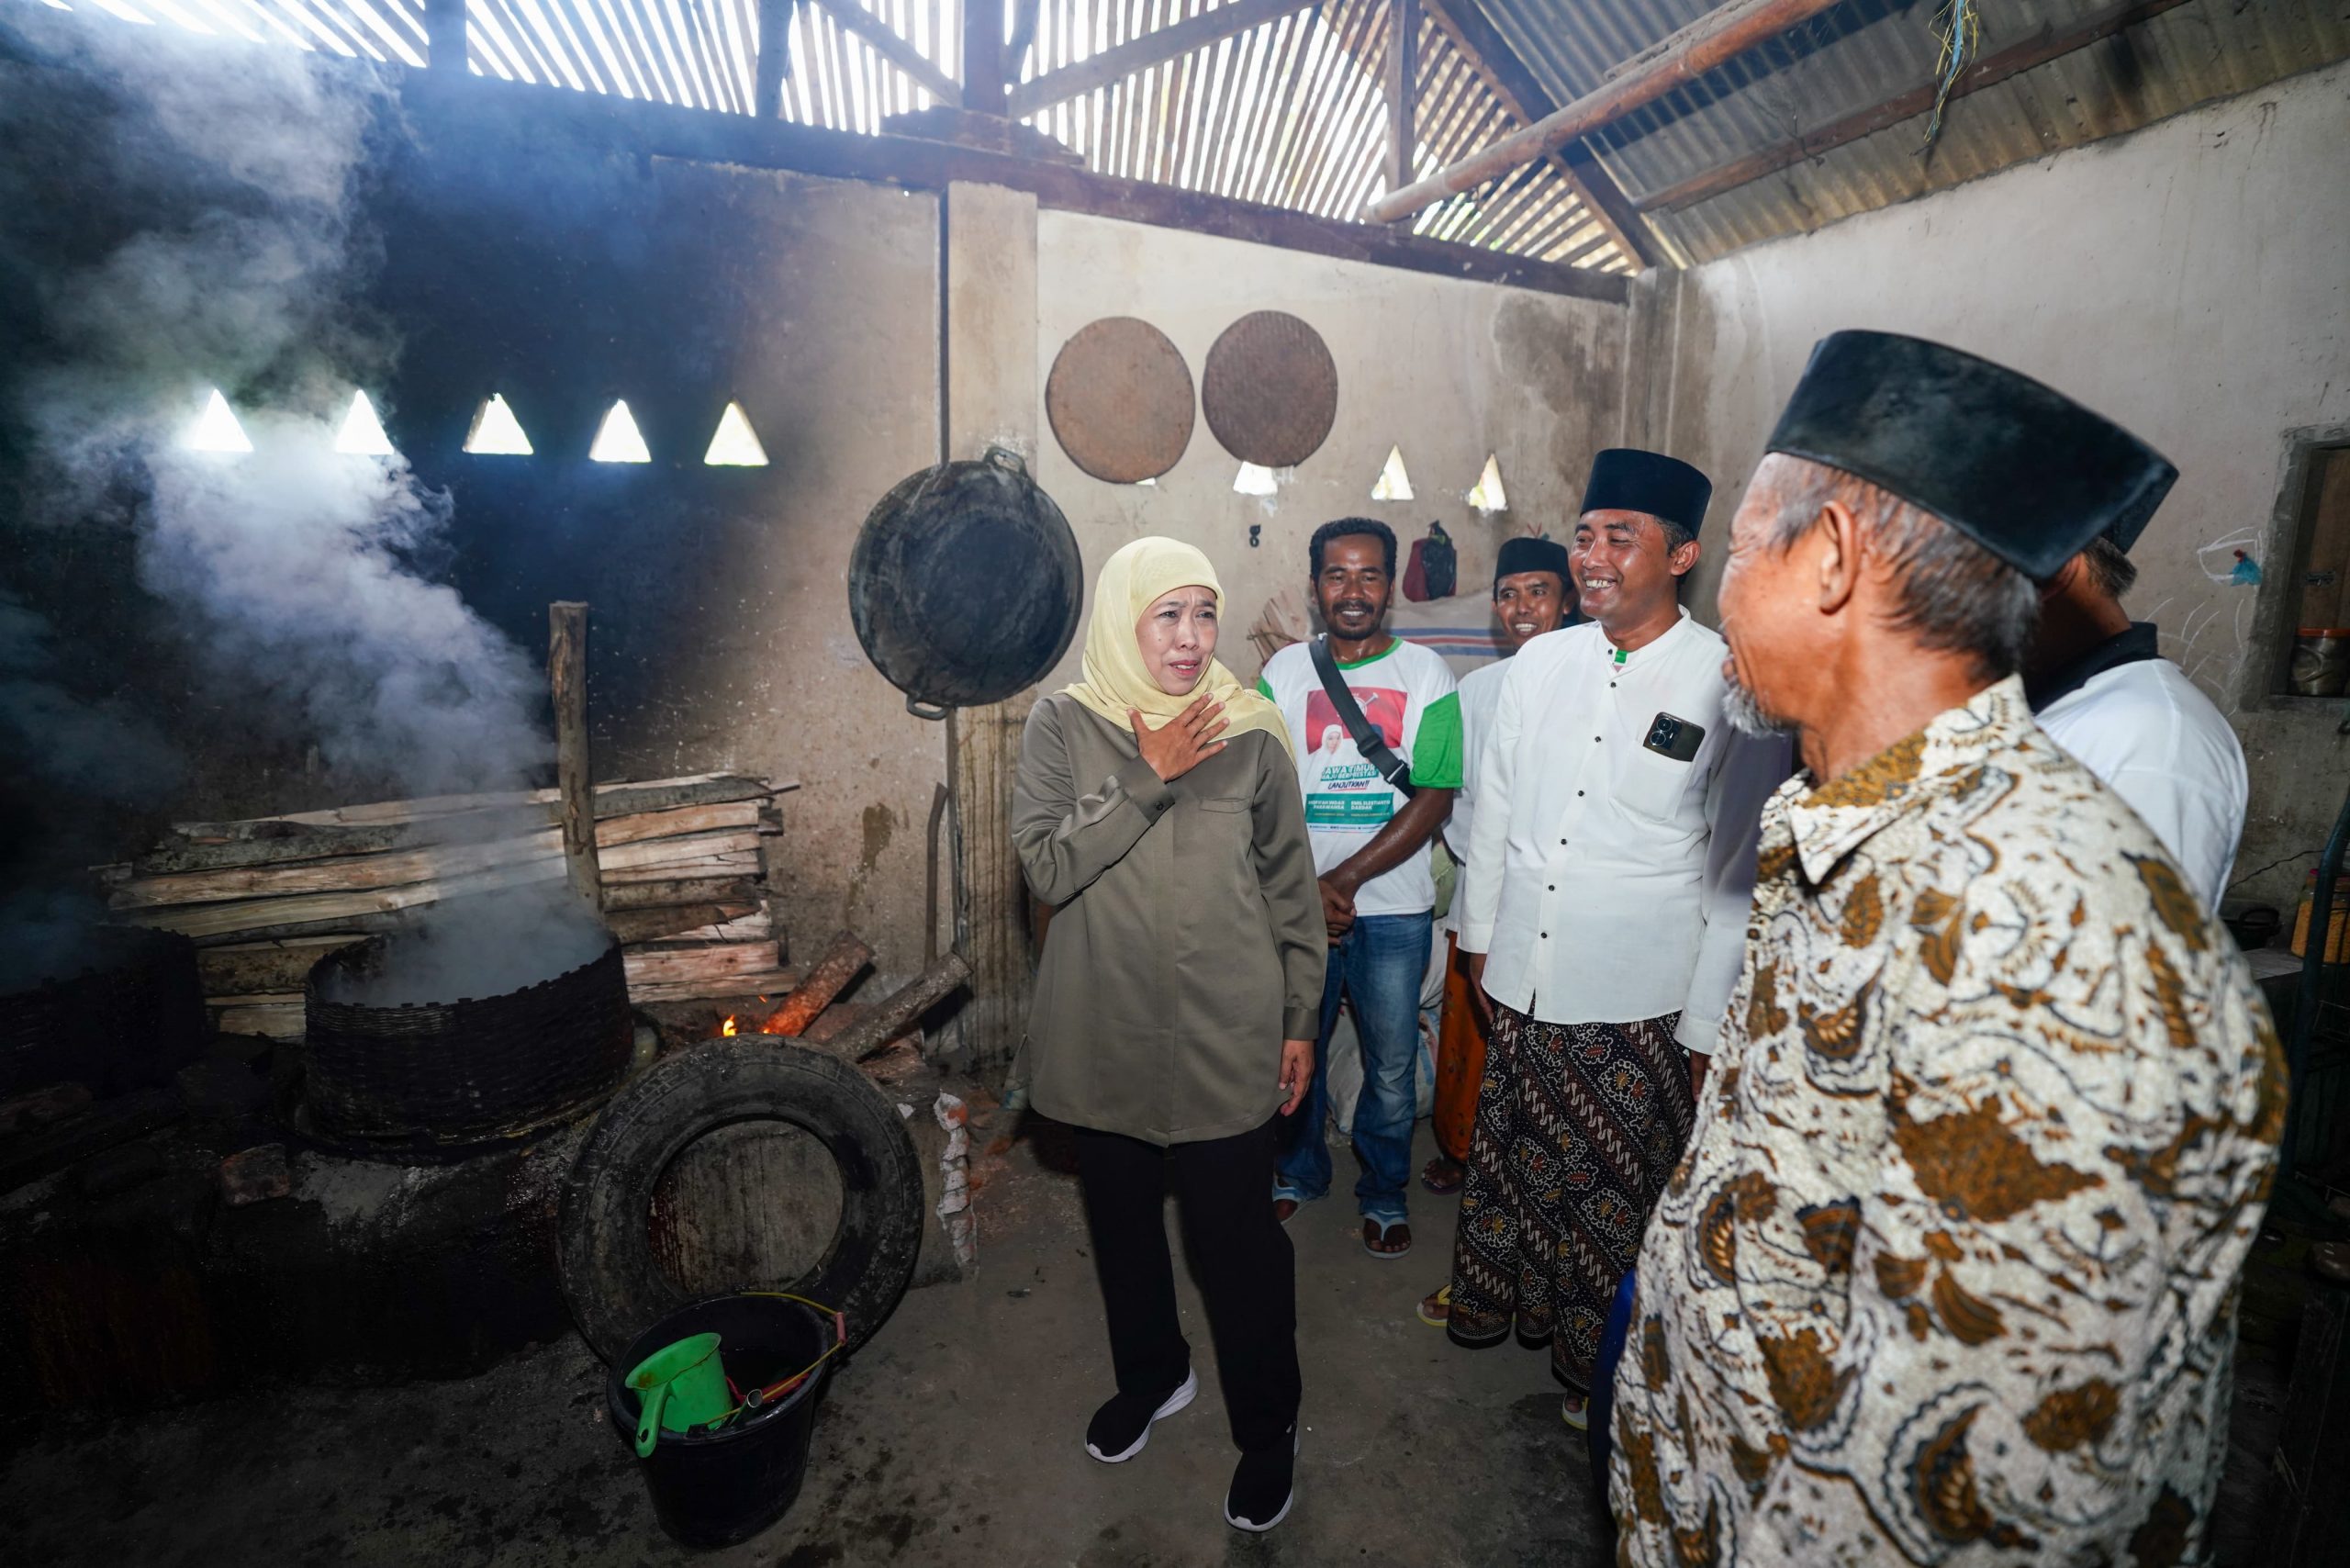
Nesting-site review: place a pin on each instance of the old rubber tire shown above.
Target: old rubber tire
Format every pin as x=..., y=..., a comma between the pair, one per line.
x=610, y=1279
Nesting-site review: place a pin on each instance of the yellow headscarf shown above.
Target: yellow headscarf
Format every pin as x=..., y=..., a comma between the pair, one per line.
x=1117, y=680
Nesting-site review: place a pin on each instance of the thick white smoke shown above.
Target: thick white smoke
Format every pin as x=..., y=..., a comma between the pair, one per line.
x=293, y=563
x=295, y=573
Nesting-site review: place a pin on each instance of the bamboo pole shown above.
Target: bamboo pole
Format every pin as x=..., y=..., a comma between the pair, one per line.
x=1717, y=37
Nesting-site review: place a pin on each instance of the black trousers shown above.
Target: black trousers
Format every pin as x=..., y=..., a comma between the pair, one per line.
x=1239, y=1254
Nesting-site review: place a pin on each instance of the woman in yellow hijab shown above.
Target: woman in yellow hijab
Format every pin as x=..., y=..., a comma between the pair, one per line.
x=1158, y=809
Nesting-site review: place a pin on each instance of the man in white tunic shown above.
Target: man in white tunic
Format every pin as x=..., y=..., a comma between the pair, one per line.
x=1949, y=1276
x=2102, y=692
x=1532, y=596
x=1610, y=859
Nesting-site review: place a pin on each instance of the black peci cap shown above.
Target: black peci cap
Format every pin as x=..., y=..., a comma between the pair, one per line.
x=1522, y=554
x=1623, y=478
x=2019, y=467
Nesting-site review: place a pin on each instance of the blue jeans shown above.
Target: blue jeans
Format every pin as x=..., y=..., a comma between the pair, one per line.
x=1378, y=964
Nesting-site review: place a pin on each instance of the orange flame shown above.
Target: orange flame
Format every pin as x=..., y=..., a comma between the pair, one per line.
x=727, y=1028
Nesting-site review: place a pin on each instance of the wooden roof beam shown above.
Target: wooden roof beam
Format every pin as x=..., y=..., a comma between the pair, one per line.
x=890, y=46
x=1491, y=56
x=1719, y=37
x=2048, y=43
x=1155, y=48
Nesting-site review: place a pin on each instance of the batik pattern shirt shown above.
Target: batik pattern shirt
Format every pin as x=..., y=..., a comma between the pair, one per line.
x=1950, y=1274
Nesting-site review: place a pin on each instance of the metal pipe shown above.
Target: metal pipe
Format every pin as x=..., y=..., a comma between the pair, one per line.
x=1720, y=36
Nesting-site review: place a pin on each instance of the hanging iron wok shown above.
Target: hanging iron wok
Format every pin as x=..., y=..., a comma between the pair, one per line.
x=964, y=585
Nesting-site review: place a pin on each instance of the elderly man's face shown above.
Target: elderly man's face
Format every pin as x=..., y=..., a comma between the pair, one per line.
x=1769, y=617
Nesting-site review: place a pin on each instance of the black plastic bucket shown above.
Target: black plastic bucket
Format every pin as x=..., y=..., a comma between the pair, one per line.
x=718, y=1488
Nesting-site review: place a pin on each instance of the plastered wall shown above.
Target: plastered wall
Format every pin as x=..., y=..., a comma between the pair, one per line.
x=2191, y=280
x=1448, y=370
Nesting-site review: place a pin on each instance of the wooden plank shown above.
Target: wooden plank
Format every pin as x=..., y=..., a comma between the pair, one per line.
x=330, y=876
x=769, y=983
x=298, y=841
x=617, y=799
x=711, y=866
x=632, y=926
x=1154, y=48
x=276, y=1021
x=890, y=46
x=1401, y=85
x=276, y=914
x=249, y=968
x=672, y=892
x=2050, y=42
x=682, y=965
x=1721, y=36
x=657, y=130
x=1490, y=55
x=568, y=686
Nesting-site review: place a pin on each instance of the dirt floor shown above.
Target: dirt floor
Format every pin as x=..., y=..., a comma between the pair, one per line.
x=955, y=1436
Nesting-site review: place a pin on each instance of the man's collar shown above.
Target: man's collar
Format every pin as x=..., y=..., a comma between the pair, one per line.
x=1832, y=820
x=1622, y=660
x=2139, y=643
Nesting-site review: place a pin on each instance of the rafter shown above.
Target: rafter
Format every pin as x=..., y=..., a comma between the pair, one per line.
x=891, y=46
x=1490, y=54
x=1154, y=48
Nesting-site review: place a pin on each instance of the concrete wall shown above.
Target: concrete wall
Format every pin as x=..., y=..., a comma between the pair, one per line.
x=1448, y=370
x=2190, y=280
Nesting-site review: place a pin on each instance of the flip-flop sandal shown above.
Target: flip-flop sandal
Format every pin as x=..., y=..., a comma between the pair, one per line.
x=1385, y=1228
x=1435, y=1310
x=1441, y=1188
x=1575, y=1412
x=1279, y=1203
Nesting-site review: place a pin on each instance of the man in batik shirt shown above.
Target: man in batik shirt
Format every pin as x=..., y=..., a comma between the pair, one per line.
x=1950, y=1275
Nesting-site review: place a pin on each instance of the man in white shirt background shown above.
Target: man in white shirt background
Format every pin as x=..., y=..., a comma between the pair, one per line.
x=1370, y=850
x=1610, y=863
x=1532, y=594
x=2133, y=718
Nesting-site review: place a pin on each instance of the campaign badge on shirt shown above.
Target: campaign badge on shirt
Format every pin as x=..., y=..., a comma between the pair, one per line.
x=1342, y=791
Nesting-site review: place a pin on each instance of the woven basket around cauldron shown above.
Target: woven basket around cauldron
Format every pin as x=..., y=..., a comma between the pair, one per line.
x=131, y=1015
x=462, y=1072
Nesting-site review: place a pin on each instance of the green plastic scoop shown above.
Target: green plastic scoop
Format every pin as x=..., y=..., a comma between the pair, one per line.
x=679, y=1387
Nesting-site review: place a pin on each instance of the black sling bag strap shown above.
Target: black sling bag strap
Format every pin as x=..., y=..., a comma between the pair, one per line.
x=1368, y=741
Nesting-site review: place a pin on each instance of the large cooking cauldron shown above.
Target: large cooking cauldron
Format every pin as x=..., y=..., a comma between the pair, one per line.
x=422, y=1078
x=966, y=585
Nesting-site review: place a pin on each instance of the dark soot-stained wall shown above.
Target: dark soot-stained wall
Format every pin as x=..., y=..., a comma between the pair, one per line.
x=563, y=277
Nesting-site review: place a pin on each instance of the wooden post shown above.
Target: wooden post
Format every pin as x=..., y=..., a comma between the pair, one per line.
x=983, y=84
x=567, y=679
x=444, y=36
x=992, y=399
x=1403, y=81
x=774, y=63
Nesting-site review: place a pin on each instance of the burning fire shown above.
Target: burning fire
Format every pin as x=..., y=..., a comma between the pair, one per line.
x=773, y=1024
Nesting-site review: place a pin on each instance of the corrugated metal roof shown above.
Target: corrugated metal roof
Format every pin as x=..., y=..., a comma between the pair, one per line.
x=1860, y=55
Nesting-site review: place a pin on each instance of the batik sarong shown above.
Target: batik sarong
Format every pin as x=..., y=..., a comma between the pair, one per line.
x=1579, y=1127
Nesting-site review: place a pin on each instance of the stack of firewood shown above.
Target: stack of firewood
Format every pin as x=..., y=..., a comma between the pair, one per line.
x=684, y=886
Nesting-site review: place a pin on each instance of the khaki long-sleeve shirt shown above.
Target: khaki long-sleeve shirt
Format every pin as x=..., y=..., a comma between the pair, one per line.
x=1186, y=939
